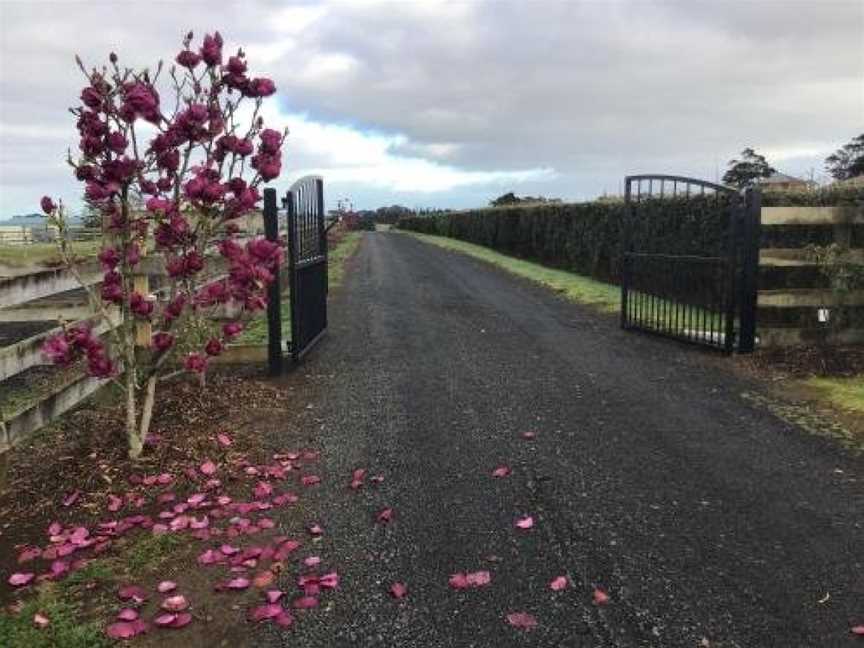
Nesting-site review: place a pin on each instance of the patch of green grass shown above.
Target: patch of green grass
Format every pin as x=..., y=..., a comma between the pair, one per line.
x=602, y=296
x=44, y=254
x=100, y=570
x=340, y=254
x=150, y=551
x=65, y=630
x=846, y=393
x=256, y=329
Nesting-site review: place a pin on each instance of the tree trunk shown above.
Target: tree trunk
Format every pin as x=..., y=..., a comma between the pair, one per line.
x=147, y=409
x=136, y=444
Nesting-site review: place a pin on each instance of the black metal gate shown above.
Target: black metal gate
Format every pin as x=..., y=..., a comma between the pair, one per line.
x=307, y=269
x=690, y=261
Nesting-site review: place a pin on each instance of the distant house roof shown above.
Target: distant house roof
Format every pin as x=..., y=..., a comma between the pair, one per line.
x=782, y=178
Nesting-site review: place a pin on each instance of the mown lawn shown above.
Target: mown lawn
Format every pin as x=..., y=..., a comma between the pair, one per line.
x=845, y=393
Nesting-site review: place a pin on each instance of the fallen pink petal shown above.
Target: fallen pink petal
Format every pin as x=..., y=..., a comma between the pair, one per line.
x=501, y=471
x=385, y=515
x=600, y=597
x=208, y=468
x=525, y=523
x=127, y=614
x=305, y=602
x=40, y=620
x=398, y=590
x=522, y=620
x=269, y=611
x=21, y=579
x=224, y=439
x=558, y=583
x=166, y=586
x=175, y=603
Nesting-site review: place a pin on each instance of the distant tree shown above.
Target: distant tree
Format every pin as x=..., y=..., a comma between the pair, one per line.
x=508, y=198
x=91, y=216
x=847, y=161
x=748, y=170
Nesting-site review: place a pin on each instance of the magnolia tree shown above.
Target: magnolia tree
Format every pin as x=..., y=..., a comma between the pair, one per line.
x=174, y=175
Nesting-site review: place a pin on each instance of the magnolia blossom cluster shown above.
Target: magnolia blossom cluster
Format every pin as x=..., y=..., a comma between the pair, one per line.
x=76, y=342
x=183, y=187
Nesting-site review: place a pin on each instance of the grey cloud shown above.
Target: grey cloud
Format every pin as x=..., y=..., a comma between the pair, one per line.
x=593, y=90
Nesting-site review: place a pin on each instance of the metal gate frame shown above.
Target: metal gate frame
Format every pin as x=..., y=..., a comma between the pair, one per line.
x=307, y=270
x=667, y=307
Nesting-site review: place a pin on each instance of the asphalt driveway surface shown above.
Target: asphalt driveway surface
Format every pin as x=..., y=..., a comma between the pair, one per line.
x=708, y=521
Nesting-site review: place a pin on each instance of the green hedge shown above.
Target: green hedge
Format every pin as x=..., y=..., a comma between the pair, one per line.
x=586, y=238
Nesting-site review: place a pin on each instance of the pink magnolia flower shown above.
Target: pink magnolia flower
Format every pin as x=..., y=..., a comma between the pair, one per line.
x=47, y=204
x=195, y=362
x=188, y=59
x=211, y=50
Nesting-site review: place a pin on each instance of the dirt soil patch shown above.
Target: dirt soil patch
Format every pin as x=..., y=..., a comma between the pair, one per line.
x=80, y=521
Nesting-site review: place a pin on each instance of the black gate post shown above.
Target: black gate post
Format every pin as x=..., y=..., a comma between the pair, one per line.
x=730, y=298
x=750, y=269
x=274, y=306
x=626, y=226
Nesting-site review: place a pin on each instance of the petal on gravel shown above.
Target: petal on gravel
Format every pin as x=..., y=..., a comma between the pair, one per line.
x=529, y=435
x=857, y=630
x=478, y=578
x=385, y=515
x=330, y=581
x=310, y=480
x=316, y=530
x=558, y=583
x=305, y=602
x=70, y=498
x=312, y=561
x=21, y=579
x=264, y=579
x=284, y=620
x=458, y=581
x=600, y=597
x=114, y=503
x=525, y=523
x=398, y=590
x=273, y=596
x=175, y=603
x=224, y=439
x=501, y=471
x=522, y=620
x=166, y=586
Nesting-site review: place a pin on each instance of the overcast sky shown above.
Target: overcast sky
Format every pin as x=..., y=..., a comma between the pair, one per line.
x=451, y=104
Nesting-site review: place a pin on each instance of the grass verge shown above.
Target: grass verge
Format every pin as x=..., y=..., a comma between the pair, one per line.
x=256, y=330
x=845, y=393
x=602, y=296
